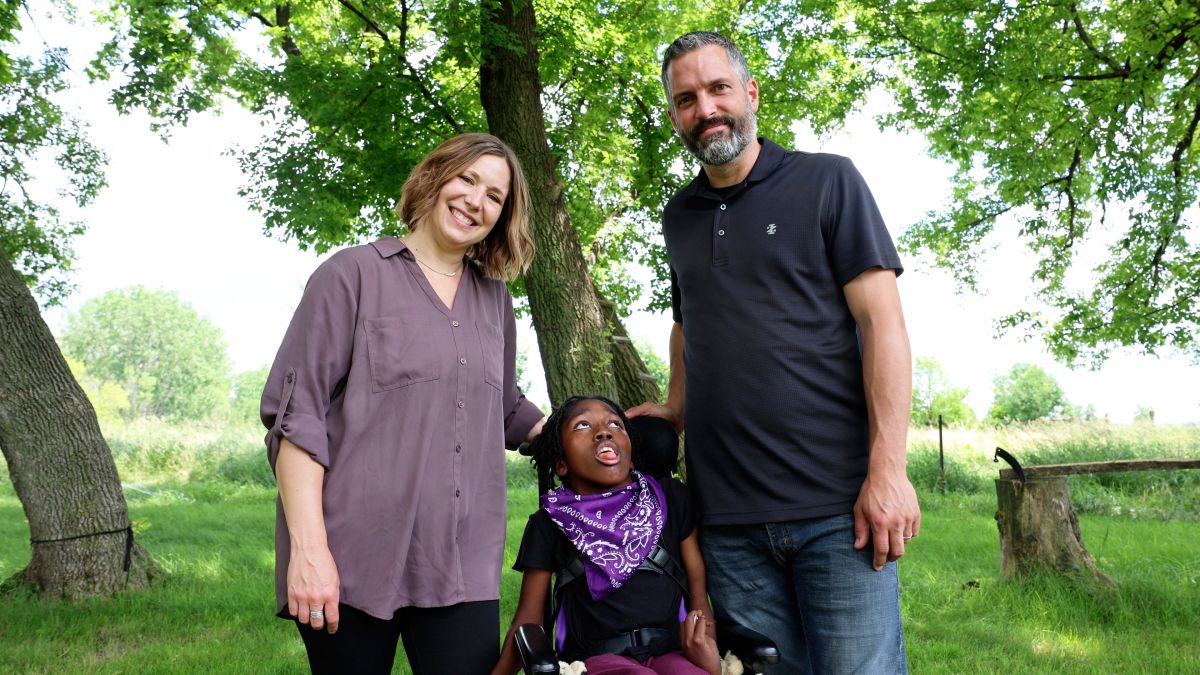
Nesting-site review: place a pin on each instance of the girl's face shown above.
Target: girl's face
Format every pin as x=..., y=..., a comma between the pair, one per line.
x=596, y=449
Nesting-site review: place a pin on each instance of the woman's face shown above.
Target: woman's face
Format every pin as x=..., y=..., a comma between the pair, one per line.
x=469, y=204
x=596, y=449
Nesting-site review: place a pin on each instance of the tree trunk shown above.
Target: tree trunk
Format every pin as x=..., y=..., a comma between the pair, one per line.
x=1039, y=531
x=574, y=334
x=60, y=464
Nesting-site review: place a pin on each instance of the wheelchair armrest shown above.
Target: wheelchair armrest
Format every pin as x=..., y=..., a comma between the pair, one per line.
x=752, y=648
x=536, y=651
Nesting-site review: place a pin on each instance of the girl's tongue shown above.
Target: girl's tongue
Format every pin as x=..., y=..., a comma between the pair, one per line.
x=608, y=455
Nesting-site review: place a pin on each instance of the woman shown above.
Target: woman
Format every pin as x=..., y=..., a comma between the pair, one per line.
x=388, y=405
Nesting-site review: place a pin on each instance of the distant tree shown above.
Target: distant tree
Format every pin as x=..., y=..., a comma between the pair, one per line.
x=1077, y=413
x=932, y=396
x=171, y=360
x=1144, y=415
x=1026, y=393
x=247, y=392
x=109, y=400
x=656, y=366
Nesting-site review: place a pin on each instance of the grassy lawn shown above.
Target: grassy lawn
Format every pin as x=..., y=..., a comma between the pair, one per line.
x=211, y=528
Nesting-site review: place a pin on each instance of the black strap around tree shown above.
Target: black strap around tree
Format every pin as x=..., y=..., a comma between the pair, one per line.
x=128, y=530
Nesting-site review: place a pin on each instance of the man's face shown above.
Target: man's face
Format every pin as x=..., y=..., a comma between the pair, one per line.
x=710, y=107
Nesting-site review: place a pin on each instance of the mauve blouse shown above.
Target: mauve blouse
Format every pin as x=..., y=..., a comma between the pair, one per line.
x=408, y=405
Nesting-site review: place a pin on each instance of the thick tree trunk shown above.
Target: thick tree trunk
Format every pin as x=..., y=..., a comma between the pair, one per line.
x=574, y=334
x=1039, y=530
x=60, y=464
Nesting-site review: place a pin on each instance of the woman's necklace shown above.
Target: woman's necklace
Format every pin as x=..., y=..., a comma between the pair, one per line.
x=435, y=271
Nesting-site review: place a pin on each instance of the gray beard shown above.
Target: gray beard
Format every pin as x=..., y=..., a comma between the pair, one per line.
x=725, y=149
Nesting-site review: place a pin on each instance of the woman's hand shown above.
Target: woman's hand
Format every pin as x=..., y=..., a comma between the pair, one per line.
x=313, y=587
x=698, y=634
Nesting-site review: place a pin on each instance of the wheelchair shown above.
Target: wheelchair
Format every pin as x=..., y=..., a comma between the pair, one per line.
x=656, y=454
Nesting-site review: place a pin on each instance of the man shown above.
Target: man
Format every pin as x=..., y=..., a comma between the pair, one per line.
x=798, y=379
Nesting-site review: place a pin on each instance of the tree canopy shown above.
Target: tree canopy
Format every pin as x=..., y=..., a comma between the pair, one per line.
x=1077, y=118
x=1026, y=393
x=170, y=361
x=34, y=127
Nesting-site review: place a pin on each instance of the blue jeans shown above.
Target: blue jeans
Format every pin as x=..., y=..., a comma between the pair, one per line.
x=802, y=584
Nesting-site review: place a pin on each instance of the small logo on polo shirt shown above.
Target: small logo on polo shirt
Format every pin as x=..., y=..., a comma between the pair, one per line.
x=771, y=228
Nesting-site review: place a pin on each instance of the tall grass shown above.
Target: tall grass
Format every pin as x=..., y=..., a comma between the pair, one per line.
x=1156, y=494
x=203, y=499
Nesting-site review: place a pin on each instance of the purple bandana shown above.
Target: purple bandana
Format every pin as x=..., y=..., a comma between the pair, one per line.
x=615, y=530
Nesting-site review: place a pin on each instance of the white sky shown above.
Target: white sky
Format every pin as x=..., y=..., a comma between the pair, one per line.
x=171, y=219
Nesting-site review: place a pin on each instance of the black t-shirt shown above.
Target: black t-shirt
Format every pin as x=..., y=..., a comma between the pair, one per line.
x=776, y=414
x=647, y=600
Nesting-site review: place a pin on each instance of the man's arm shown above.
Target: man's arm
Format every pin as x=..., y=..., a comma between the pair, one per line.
x=886, y=512
x=672, y=410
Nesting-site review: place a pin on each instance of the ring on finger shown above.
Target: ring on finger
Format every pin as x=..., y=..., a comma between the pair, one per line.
x=316, y=614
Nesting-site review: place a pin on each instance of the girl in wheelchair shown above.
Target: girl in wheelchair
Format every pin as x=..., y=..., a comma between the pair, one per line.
x=609, y=537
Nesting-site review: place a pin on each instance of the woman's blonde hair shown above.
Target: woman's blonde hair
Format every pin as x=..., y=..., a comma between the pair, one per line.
x=508, y=248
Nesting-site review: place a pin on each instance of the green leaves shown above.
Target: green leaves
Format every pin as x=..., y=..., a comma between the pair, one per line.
x=170, y=361
x=1025, y=394
x=1056, y=112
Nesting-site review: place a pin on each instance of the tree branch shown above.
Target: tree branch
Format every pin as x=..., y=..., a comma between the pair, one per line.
x=283, y=15
x=262, y=19
x=1087, y=40
x=374, y=27
x=1175, y=43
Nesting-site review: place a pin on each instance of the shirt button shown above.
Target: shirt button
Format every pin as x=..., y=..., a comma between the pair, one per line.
x=457, y=449
x=461, y=404
x=720, y=233
x=454, y=323
x=463, y=361
x=457, y=493
x=722, y=207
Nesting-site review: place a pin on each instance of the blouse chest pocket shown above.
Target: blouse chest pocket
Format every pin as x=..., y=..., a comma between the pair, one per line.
x=491, y=343
x=401, y=352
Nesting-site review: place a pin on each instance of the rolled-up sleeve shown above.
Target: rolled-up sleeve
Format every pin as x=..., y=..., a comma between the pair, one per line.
x=519, y=413
x=312, y=363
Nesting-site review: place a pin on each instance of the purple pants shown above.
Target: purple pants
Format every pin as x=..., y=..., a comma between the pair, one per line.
x=671, y=663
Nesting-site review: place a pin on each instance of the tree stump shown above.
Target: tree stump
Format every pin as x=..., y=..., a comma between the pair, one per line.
x=1039, y=530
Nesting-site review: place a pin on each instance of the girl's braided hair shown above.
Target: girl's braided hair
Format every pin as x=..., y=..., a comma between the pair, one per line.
x=547, y=448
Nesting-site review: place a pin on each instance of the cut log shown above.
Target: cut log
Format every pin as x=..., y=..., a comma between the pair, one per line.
x=1039, y=531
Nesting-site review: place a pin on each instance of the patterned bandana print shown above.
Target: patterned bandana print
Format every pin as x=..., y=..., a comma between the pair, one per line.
x=615, y=530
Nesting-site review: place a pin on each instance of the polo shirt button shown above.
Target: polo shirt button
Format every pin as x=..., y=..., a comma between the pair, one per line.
x=457, y=493
x=454, y=323
x=458, y=449
x=463, y=361
x=720, y=233
x=461, y=404
x=722, y=207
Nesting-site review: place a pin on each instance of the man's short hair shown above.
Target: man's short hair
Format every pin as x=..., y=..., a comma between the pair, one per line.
x=696, y=40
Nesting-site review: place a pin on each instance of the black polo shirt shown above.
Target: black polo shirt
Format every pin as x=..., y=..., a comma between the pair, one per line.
x=775, y=411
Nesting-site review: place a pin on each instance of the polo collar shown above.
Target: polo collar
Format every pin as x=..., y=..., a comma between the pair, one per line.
x=769, y=158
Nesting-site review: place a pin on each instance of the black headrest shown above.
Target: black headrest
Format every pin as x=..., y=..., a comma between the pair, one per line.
x=657, y=449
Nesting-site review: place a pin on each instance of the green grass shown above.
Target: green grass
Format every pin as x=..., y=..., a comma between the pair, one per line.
x=205, y=510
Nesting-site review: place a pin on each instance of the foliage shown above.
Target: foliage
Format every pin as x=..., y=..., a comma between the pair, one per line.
x=1144, y=414
x=353, y=95
x=109, y=400
x=1078, y=117
x=170, y=360
x=38, y=134
x=933, y=397
x=656, y=366
x=1026, y=393
x=247, y=393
